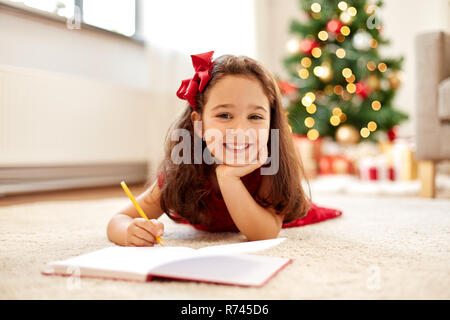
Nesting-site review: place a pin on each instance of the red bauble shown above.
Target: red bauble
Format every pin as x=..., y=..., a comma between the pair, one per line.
x=362, y=89
x=392, y=133
x=334, y=26
x=307, y=45
x=287, y=87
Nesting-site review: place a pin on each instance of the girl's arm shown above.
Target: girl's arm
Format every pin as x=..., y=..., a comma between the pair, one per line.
x=127, y=227
x=254, y=221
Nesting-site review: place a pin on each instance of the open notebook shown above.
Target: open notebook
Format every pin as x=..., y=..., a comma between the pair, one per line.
x=225, y=264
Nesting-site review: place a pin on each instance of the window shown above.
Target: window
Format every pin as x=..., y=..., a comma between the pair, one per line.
x=201, y=25
x=118, y=16
x=63, y=8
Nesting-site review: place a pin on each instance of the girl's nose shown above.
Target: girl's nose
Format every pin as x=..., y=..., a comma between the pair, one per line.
x=241, y=124
x=240, y=135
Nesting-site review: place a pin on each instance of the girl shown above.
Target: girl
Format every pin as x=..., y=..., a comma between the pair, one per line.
x=234, y=112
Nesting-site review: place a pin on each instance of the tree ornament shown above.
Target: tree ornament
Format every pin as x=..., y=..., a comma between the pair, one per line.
x=315, y=7
x=289, y=91
x=307, y=45
x=364, y=132
x=382, y=67
x=326, y=72
x=334, y=26
x=373, y=82
x=395, y=79
x=370, y=8
x=287, y=87
x=323, y=35
x=392, y=133
x=347, y=134
x=312, y=134
x=362, y=89
x=361, y=40
x=342, y=5
x=346, y=17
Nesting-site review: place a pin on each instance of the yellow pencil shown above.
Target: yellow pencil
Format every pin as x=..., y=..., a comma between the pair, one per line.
x=138, y=207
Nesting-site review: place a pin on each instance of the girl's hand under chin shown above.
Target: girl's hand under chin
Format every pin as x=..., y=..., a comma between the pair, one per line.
x=237, y=171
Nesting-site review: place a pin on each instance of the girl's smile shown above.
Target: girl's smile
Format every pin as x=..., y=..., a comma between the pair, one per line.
x=237, y=148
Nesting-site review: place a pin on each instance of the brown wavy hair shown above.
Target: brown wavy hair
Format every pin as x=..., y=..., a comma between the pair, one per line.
x=183, y=190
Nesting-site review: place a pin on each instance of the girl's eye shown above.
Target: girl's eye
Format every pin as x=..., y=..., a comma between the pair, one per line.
x=224, y=115
x=228, y=116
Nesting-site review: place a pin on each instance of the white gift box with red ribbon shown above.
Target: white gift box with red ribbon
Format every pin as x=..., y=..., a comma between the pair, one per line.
x=375, y=168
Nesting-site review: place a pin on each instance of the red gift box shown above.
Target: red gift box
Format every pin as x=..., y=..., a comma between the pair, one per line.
x=335, y=164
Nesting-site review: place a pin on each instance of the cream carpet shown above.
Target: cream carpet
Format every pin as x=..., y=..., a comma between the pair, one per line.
x=380, y=248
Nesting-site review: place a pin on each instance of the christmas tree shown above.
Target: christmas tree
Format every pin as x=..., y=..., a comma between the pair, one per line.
x=339, y=85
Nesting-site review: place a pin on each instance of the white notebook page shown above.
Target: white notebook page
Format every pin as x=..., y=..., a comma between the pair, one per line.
x=127, y=259
x=242, y=269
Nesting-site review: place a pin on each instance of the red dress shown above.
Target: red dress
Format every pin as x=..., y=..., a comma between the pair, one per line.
x=223, y=222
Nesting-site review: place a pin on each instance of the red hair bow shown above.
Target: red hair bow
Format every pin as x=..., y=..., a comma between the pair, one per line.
x=189, y=87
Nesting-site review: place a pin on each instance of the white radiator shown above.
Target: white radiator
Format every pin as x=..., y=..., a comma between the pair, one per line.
x=50, y=120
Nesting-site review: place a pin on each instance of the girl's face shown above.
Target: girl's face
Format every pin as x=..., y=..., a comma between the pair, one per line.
x=235, y=120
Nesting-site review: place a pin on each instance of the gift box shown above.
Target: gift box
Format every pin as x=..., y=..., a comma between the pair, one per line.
x=309, y=152
x=400, y=156
x=335, y=164
x=376, y=169
x=403, y=159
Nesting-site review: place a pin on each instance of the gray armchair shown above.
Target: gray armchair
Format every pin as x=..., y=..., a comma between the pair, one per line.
x=432, y=105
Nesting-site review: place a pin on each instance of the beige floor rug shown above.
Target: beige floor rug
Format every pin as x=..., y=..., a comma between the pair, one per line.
x=380, y=248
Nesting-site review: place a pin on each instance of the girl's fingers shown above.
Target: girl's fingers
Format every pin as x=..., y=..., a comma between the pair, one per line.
x=153, y=226
x=139, y=242
x=144, y=234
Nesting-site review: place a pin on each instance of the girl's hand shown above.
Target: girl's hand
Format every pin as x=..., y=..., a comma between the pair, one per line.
x=223, y=170
x=142, y=233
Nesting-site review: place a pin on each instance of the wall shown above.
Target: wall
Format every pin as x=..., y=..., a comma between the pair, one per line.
x=79, y=58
